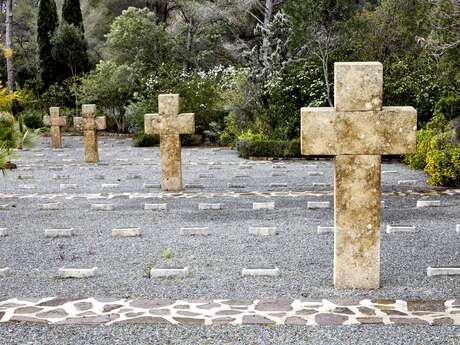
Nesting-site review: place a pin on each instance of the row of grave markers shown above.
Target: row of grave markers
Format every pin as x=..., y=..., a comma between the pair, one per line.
x=357, y=131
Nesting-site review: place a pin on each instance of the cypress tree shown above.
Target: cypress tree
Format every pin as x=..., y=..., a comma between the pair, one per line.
x=46, y=25
x=71, y=13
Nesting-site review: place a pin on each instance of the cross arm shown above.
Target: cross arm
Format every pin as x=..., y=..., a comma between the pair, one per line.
x=186, y=123
x=391, y=131
x=47, y=120
x=101, y=123
x=78, y=123
x=180, y=124
x=149, y=127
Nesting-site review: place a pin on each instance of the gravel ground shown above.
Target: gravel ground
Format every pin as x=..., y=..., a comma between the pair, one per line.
x=155, y=335
x=304, y=257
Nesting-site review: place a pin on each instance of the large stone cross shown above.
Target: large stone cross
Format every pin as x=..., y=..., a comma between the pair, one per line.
x=358, y=131
x=90, y=124
x=55, y=122
x=169, y=124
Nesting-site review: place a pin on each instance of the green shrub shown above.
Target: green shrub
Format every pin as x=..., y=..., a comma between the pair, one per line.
x=443, y=165
x=269, y=148
x=145, y=140
x=8, y=137
x=33, y=119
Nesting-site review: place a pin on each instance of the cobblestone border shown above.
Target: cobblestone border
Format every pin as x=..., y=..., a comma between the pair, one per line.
x=309, y=312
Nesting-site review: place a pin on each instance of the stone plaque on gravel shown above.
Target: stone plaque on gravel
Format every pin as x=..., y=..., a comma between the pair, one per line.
x=443, y=271
x=318, y=204
x=52, y=206
x=210, y=207
x=263, y=206
x=4, y=207
x=358, y=131
x=315, y=173
x=325, y=229
x=263, y=230
x=3, y=232
x=77, y=273
x=195, y=231
x=407, y=182
x=458, y=228
x=261, y=272
x=126, y=232
x=151, y=186
x=64, y=187
x=169, y=125
x=102, y=207
x=169, y=272
x=55, y=233
x=110, y=186
x=159, y=207
x=428, y=203
x=400, y=228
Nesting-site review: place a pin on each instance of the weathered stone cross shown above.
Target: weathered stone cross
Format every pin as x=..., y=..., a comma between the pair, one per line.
x=55, y=122
x=90, y=124
x=169, y=124
x=358, y=131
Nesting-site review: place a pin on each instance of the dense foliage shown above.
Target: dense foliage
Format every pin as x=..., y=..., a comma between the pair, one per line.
x=244, y=67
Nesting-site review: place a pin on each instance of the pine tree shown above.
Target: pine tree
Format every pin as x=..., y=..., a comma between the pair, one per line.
x=47, y=23
x=71, y=13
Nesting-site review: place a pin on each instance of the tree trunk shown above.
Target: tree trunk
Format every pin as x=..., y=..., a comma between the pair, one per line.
x=9, y=54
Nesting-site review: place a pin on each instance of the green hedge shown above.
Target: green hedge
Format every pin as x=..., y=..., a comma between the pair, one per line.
x=145, y=140
x=269, y=148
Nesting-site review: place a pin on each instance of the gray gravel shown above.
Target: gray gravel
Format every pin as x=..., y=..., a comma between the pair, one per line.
x=304, y=257
x=155, y=335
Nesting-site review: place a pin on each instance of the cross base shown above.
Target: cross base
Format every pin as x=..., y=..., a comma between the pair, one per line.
x=357, y=222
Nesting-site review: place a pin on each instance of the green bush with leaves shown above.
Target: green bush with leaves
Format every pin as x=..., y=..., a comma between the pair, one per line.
x=443, y=165
x=269, y=148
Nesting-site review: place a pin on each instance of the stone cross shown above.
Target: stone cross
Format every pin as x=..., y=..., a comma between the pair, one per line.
x=55, y=122
x=90, y=124
x=358, y=131
x=169, y=124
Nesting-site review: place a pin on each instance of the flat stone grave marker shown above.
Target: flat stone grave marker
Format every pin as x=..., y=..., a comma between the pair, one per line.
x=68, y=186
x=428, y=203
x=169, y=272
x=204, y=206
x=407, y=182
x=126, y=232
x=325, y=229
x=260, y=272
x=4, y=207
x=400, y=228
x=102, y=207
x=149, y=207
x=52, y=206
x=195, y=231
x=318, y=204
x=56, y=233
x=358, y=131
x=443, y=271
x=263, y=230
x=458, y=228
x=169, y=125
x=89, y=123
x=3, y=232
x=263, y=206
x=55, y=122
x=77, y=273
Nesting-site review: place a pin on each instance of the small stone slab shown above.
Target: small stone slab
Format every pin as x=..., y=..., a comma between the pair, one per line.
x=4, y=207
x=428, y=203
x=151, y=186
x=169, y=272
x=400, y=228
x=77, y=273
x=65, y=186
x=263, y=206
x=279, y=166
x=315, y=173
x=263, y=230
x=134, y=177
x=388, y=172
x=278, y=185
x=407, y=182
x=325, y=229
x=260, y=272
x=56, y=168
x=126, y=232
x=206, y=176
x=458, y=228
x=194, y=186
x=279, y=174
x=55, y=233
x=99, y=177
x=60, y=177
x=195, y=231
x=318, y=204
x=159, y=207
x=443, y=271
x=5, y=272
x=52, y=206
x=210, y=207
x=321, y=184
x=3, y=232
x=236, y=185
x=102, y=207
x=25, y=177
x=110, y=186
x=28, y=186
